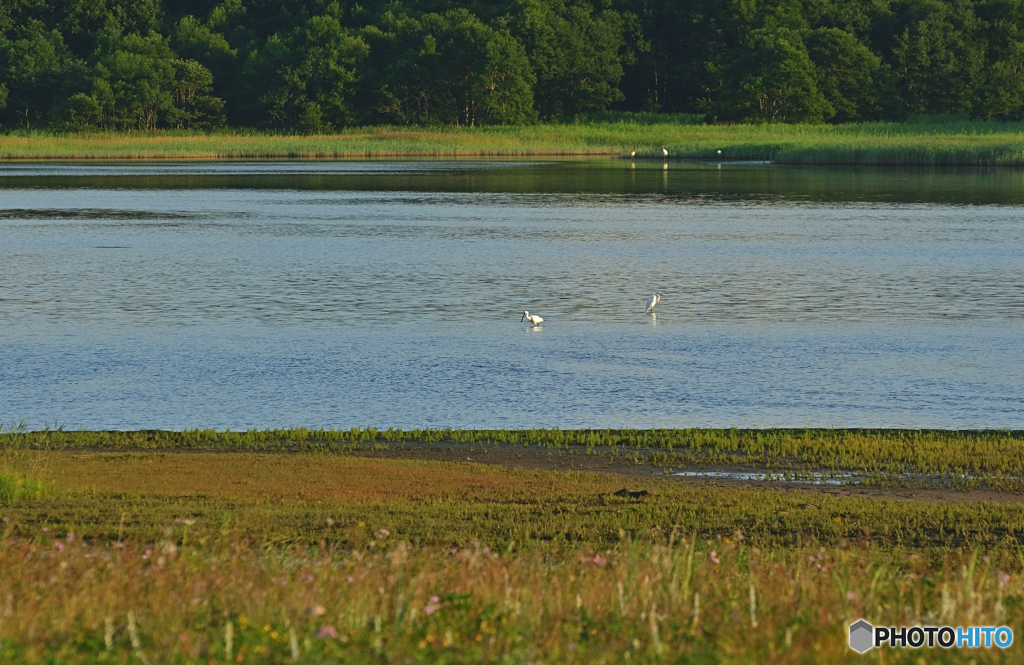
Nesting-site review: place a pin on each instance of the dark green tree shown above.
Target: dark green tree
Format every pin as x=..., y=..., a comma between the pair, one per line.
x=135, y=80
x=38, y=72
x=848, y=74
x=772, y=80
x=935, y=52
x=448, y=68
x=505, y=83
x=577, y=54
x=1001, y=96
x=193, y=105
x=305, y=76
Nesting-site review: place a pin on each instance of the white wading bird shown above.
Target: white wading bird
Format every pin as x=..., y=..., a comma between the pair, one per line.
x=664, y=152
x=632, y=155
x=651, y=302
x=534, y=319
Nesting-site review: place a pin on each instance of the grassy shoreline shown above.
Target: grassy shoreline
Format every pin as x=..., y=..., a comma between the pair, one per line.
x=935, y=143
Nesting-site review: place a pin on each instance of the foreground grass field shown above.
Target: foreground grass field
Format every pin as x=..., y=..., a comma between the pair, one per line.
x=933, y=143
x=326, y=556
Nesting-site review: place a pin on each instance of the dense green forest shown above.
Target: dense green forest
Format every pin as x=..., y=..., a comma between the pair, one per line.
x=318, y=65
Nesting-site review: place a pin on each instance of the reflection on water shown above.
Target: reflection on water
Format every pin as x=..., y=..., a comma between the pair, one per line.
x=232, y=294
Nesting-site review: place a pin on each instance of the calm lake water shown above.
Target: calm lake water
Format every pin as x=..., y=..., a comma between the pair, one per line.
x=389, y=293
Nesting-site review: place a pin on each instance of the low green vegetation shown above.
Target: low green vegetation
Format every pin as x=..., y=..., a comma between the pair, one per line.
x=16, y=487
x=314, y=557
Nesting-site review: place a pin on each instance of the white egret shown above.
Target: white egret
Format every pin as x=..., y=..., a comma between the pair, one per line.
x=664, y=152
x=719, y=152
x=534, y=319
x=632, y=155
x=651, y=302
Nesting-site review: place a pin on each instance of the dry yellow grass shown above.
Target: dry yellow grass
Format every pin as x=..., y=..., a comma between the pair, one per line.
x=249, y=476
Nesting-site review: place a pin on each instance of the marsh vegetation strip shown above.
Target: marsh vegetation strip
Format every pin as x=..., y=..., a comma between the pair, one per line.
x=964, y=460
x=385, y=294
x=315, y=558
x=935, y=450
x=305, y=498
x=941, y=143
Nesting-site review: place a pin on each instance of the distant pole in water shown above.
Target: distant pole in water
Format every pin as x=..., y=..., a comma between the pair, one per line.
x=651, y=302
x=534, y=319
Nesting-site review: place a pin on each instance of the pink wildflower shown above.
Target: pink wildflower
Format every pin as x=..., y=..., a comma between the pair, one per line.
x=851, y=595
x=714, y=557
x=59, y=545
x=323, y=632
x=71, y=537
x=382, y=533
x=598, y=560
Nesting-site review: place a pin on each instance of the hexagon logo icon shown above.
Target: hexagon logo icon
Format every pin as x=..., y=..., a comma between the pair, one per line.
x=862, y=636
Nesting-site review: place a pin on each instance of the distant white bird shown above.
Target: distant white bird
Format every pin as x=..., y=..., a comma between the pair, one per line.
x=651, y=302
x=664, y=152
x=719, y=152
x=632, y=154
x=534, y=319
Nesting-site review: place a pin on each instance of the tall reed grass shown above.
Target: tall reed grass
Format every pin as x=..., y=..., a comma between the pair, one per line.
x=945, y=142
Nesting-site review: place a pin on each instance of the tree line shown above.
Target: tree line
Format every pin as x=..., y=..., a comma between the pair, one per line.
x=318, y=65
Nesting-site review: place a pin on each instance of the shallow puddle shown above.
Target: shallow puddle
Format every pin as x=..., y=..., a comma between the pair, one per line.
x=812, y=478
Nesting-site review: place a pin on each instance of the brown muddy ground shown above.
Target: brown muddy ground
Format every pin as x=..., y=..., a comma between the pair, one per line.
x=600, y=461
